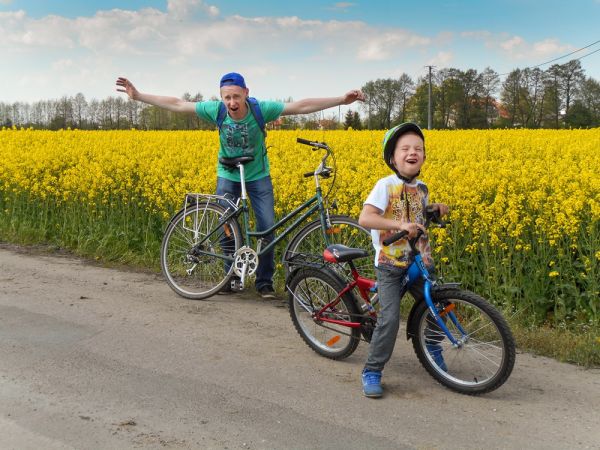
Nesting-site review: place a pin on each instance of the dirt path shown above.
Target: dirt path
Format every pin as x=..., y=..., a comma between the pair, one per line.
x=101, y=358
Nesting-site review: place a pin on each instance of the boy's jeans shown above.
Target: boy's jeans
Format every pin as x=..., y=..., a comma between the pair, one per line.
x=263, y=203
x=391, y=285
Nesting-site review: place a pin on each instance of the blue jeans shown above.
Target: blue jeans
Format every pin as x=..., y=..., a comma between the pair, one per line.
x=263, y=204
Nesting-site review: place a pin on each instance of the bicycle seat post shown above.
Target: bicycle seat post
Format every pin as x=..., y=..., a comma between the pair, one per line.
x=242, y=181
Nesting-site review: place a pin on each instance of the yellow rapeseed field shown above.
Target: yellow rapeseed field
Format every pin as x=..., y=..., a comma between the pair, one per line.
x=525, y=204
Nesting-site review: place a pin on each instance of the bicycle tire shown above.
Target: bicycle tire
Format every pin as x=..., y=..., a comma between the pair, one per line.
x=308, y=291
x=310, y=243
x=209, y=273
x=483, y=362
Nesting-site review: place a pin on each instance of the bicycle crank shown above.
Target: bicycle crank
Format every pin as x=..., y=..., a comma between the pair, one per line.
x=245, y=262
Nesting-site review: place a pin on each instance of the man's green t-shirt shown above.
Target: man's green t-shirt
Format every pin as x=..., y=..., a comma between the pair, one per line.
x=242, y=138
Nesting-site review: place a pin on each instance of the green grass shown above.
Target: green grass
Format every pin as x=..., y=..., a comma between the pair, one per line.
x=580, y=347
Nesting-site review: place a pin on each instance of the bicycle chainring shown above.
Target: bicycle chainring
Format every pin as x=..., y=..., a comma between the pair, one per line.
x=246, y=260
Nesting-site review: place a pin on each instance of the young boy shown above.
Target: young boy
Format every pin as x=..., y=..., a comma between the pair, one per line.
x=396, y=203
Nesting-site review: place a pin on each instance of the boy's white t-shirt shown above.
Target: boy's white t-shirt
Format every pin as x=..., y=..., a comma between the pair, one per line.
x=403, y=202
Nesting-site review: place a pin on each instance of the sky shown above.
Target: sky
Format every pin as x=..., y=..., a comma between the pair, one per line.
x=284, y=49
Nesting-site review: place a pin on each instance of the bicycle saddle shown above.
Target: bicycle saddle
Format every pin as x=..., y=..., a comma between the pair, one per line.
x=233, y=162
x=336, y=253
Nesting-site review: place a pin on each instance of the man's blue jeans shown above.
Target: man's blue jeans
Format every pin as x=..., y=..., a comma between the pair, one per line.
x=263, y=203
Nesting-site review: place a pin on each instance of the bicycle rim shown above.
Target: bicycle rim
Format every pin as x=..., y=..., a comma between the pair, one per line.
x=309, y=291
x=485, y=357
x=309, y=243
x=198, y=271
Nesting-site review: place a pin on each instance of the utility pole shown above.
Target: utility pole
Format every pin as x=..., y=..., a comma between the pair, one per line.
x=429, y=100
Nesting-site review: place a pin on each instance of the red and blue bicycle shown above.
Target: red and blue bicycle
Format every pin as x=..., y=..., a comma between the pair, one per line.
x=460, y=338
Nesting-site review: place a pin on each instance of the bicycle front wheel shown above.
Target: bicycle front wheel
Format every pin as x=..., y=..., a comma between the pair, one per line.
x=485, y=356
x=194, y=250
x=309, y=291
x=310, y=242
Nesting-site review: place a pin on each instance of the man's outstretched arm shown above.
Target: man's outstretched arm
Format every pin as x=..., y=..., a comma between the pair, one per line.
x=169, y=103
x=310, y=105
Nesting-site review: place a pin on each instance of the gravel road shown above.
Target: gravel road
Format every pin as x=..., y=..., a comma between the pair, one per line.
x=98, y=358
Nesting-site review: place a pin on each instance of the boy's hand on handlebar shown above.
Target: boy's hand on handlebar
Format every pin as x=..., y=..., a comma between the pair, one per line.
x=441, y=208
x=411, y=228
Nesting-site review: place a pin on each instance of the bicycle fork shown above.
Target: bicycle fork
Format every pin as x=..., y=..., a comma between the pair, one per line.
x=417, y=269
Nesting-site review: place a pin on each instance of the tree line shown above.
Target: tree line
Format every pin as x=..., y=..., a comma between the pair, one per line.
x=560, y=97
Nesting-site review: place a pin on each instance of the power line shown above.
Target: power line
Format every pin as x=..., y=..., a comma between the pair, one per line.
x=590, y=53
x=564, y=56
x=561, y=57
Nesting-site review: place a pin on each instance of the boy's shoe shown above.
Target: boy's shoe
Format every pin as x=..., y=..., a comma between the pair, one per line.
x=267, y=292
x=371, y=381
x=435, y=350
x=228, y=289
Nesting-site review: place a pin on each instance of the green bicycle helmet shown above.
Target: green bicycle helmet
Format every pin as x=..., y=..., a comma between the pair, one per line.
x=392, y=136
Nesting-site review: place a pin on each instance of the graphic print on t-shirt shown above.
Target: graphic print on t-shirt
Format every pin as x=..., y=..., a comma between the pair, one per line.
x=405, y=204
x=237, y=140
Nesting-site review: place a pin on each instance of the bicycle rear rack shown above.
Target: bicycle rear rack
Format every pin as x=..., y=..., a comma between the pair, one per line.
x=193, y=199
x=306, y=260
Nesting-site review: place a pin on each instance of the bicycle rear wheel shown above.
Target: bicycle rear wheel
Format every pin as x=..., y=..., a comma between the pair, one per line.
x=309, y=291
x=310, y=242
x=485, y=357
x=193, y=250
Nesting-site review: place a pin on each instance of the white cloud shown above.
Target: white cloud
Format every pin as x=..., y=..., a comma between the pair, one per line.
x=190, y=44
x=183, y=9
x=442, y=59
x=341, y=6
x=512, y=44
x=550, y=47
x=477, y=34
x=385, y=45
x=517, y=48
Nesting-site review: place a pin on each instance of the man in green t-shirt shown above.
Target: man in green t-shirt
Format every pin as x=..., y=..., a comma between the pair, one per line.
x=240, y=134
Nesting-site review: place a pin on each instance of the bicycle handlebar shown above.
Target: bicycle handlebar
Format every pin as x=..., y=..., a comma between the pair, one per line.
x=321, y=171
x=316, y=144
x=432, y=215
x=394, y=237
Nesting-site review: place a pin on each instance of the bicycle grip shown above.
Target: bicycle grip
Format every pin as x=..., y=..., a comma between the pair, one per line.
x=304, y=141
x=308, y=174
x=395, y=237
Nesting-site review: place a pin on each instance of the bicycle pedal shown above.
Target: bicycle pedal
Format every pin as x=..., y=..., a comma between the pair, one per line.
x=237, y=285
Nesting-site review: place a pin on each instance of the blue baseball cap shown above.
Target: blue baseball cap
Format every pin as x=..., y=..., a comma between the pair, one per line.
x=233, y=79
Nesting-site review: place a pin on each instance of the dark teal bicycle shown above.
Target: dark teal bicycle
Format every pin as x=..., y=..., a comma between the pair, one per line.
x=209, y=240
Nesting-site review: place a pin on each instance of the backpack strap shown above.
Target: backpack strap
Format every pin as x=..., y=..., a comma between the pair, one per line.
x=221, y=114
x=257, y=113
x=254, y=109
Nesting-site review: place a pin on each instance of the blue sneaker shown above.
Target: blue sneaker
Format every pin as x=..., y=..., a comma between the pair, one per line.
x=371, y=381
x=435, y=350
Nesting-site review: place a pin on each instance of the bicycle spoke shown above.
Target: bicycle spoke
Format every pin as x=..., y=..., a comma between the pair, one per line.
x=484, y=356
x=193, y=241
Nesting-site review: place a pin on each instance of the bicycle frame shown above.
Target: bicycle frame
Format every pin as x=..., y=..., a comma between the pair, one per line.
x=241, y=208
x=311, y=205
x=416, y=271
